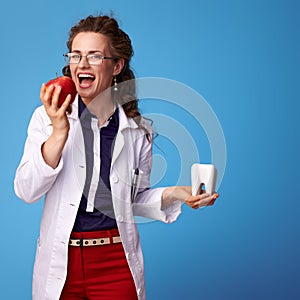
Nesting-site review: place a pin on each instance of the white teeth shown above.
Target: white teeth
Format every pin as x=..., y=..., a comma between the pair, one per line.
x=86, y=76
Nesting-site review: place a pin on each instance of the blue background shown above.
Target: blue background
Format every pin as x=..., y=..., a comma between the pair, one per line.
x=243, y=57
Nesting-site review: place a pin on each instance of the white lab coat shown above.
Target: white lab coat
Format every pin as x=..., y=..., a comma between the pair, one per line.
x=63, y=188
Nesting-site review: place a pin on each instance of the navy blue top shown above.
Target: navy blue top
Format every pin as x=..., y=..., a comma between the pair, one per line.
x=102, y=218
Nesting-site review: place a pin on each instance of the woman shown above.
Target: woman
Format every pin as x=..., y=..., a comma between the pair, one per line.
x=93, y=166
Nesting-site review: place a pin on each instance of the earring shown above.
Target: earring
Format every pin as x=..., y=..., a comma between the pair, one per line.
x=115, y=84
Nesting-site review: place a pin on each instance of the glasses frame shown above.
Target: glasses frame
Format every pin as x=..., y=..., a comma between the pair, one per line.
x=67, y=58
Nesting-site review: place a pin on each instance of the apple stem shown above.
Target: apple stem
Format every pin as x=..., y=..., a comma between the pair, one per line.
x=56, y=75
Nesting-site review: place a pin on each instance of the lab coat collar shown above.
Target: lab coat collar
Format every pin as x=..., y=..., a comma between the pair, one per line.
x=74, y=112
x=125, y=122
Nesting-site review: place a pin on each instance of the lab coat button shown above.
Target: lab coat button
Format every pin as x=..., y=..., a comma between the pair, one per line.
x=120, y=218
x=115, y=179
x=139, y=291
x=127, y=254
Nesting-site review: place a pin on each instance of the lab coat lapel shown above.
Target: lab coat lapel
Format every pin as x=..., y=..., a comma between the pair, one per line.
x=78, y=148
x=125, y=124
x=119, y=144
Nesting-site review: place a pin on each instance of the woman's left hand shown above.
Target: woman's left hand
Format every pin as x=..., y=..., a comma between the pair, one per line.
x=184, y=194
x=201, y=200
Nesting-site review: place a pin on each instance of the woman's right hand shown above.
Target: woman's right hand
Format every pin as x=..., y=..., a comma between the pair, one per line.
x=53, y=147
x=49, y=97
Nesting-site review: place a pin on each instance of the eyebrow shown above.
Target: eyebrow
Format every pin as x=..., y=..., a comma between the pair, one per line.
x=89, y=52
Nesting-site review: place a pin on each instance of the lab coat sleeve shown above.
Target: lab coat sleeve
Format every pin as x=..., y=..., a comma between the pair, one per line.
x=33, y=176
x=148, y=201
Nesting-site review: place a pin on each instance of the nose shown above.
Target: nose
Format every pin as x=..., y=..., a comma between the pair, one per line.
x=83, y=62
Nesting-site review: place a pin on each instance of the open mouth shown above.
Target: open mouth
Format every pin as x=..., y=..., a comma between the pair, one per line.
x=86, y=79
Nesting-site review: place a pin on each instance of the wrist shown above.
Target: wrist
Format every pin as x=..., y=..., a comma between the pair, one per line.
x=167, y=196
x=60, y=134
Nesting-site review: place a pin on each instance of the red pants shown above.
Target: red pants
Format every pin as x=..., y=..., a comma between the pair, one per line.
x=98, y=272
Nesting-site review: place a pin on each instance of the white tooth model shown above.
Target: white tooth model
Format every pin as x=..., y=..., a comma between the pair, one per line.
x=203, y=174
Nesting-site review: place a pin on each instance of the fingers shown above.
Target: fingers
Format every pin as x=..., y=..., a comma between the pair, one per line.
x=58, y=115
x=201, y=200
x=55, y=96
x=50, y=98
x=66, y=103
x=44, y=95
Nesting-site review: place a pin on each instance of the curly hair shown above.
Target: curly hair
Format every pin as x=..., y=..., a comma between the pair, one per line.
x=120, y=47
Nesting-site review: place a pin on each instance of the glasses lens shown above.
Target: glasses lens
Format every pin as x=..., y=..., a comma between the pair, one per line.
x=94, y=59
x=74, y=58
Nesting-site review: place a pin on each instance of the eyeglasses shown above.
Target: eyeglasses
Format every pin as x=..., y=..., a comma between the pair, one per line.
x=92, y=59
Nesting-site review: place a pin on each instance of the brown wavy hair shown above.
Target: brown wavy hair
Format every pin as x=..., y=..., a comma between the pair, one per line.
x=120, y=47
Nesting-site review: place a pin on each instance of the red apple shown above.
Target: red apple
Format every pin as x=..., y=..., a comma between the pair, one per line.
x=67, y=87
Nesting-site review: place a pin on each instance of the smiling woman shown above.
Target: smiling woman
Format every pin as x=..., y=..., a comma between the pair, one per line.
x=119, y=47
x=93, y=79
x=94, y=165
